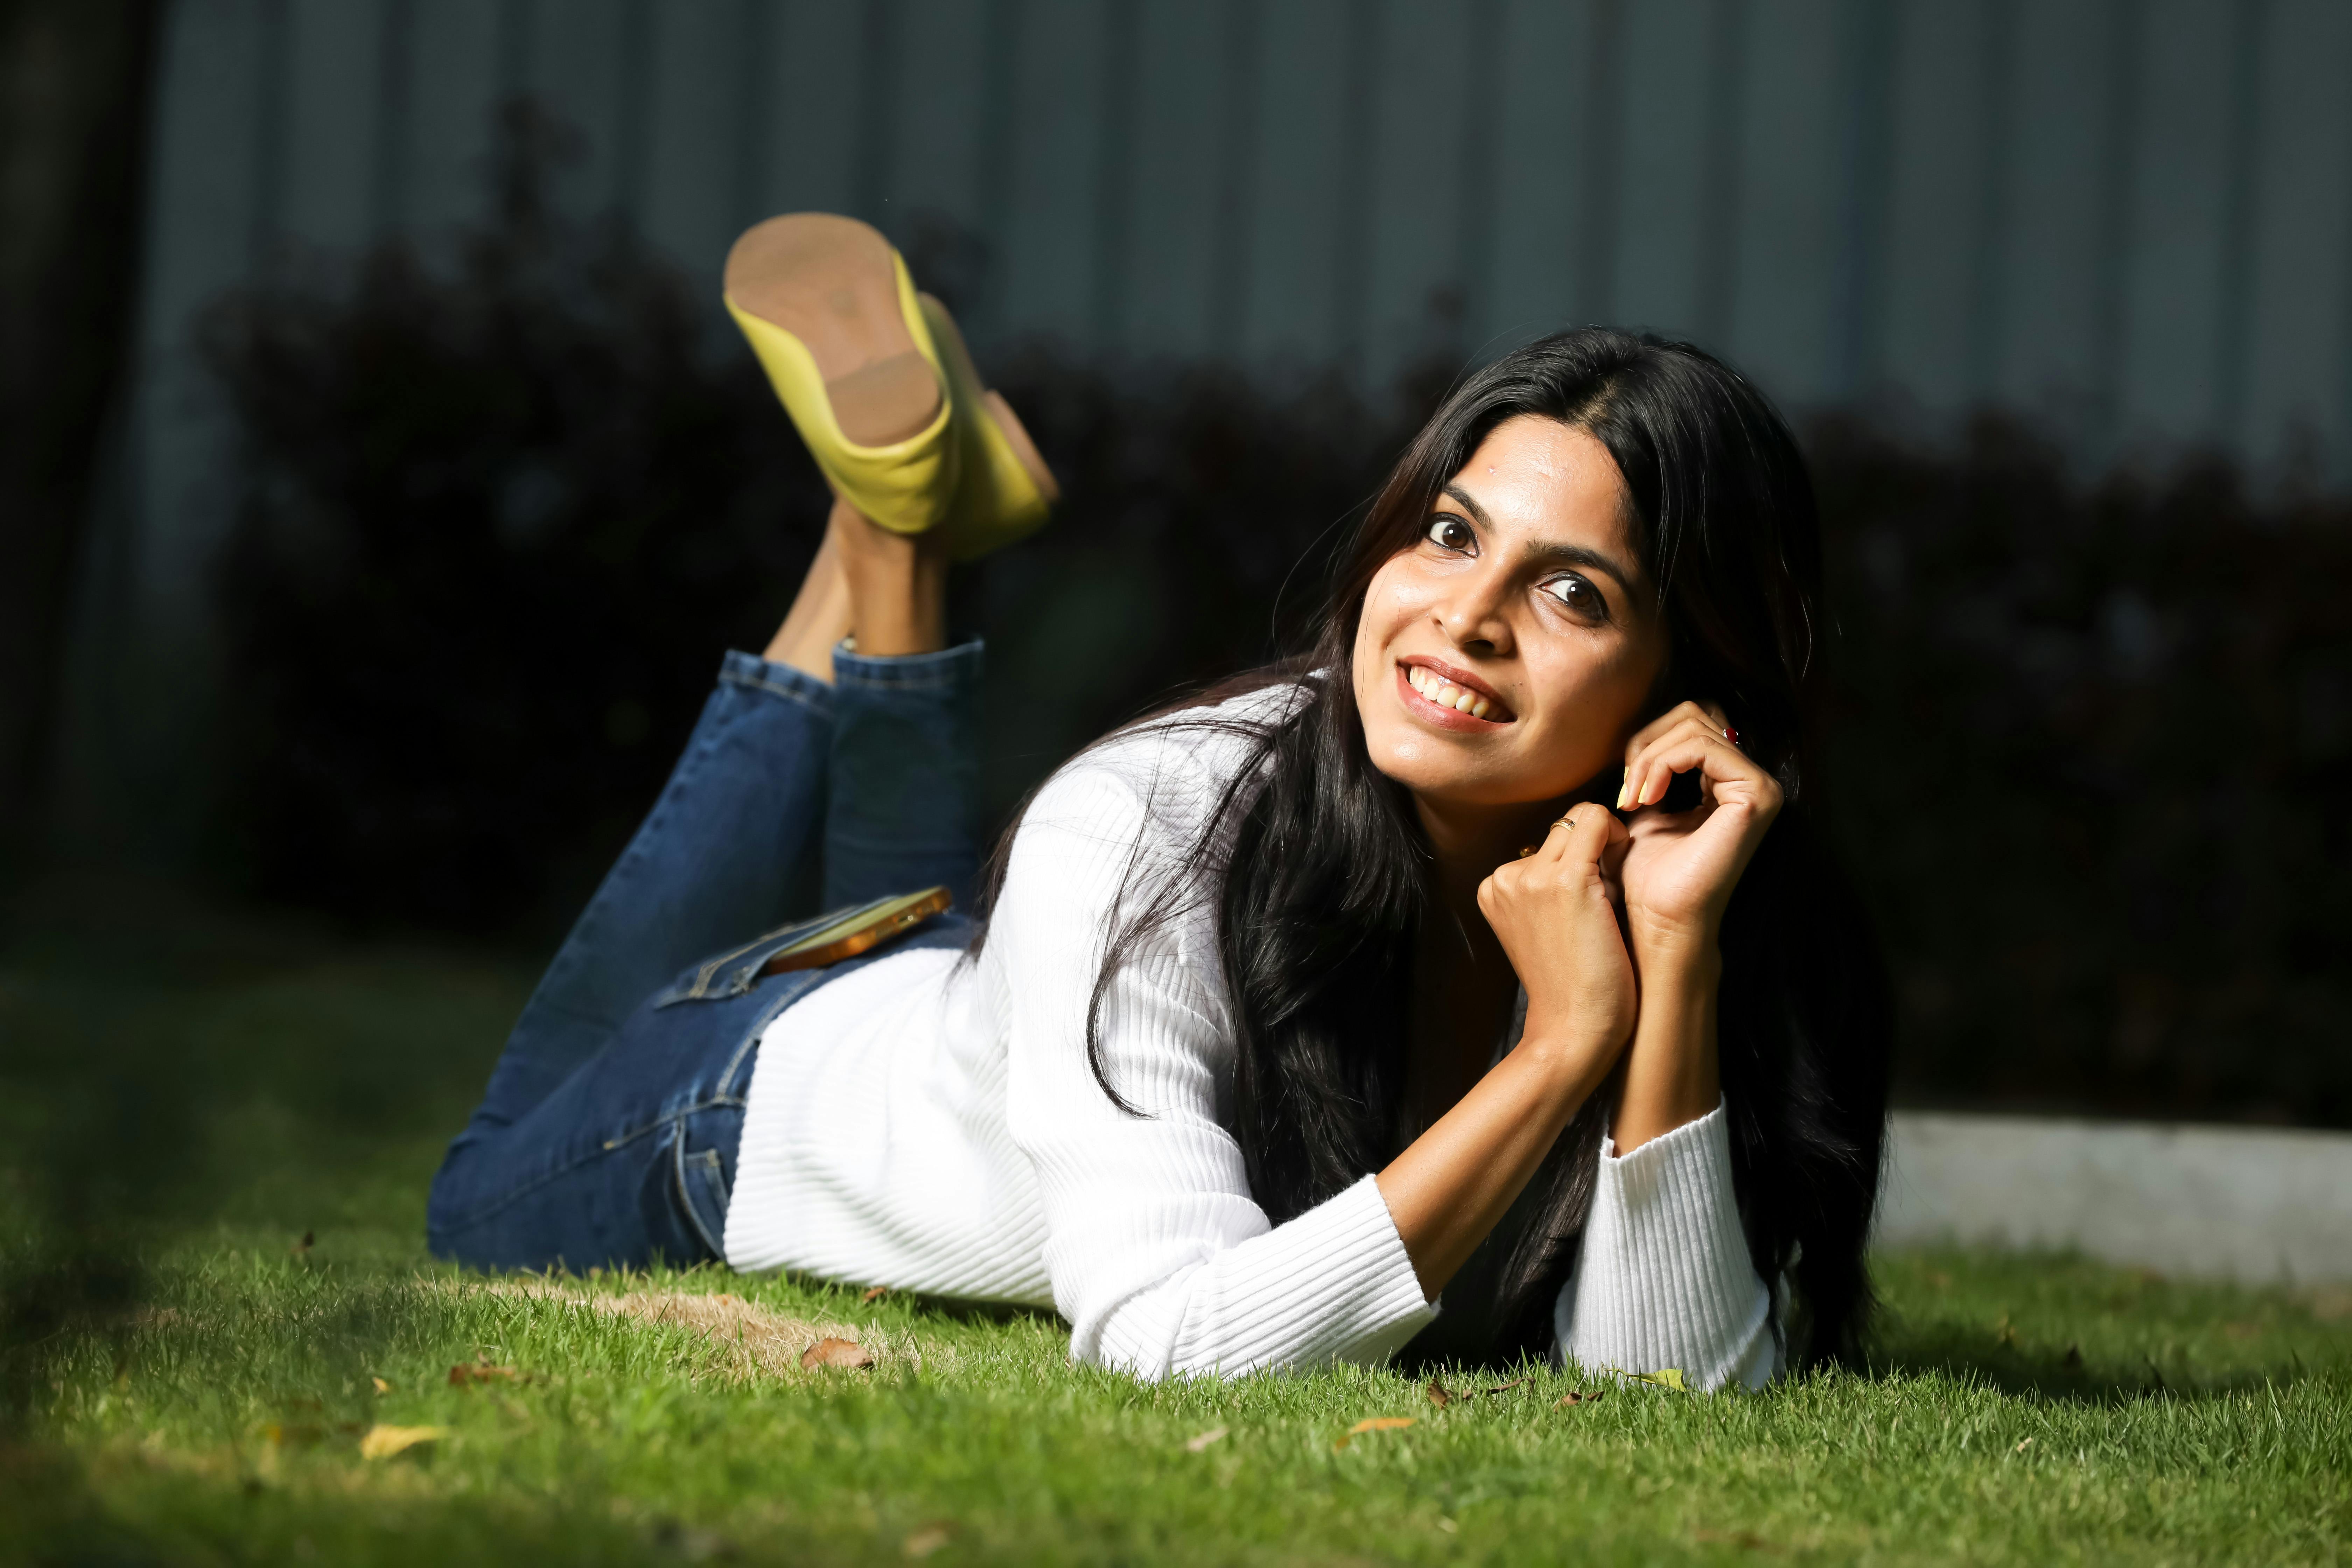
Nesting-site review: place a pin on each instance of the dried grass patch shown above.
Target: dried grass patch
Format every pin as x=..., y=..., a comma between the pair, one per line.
x=754, y=1339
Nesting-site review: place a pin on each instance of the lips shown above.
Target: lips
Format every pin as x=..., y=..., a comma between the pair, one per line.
x=1452, y=697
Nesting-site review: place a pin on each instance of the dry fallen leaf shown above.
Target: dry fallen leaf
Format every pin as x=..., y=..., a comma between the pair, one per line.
x=1503, y=1387
x=303, y=1246
x=1374, y=1423
x=1438, y=1395
x=381, y=1386
x=831, y=1352
x=2023, y=1446
x=480, y=1371
x=1201, y=1440
x=928, y=1540
x=382, y=1442
x=1666, y=1377
x=874, y=1295
x=1575, y=1396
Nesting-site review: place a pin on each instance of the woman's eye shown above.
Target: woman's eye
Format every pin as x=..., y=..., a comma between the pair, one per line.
x=1450, y=532
x=1578, y=596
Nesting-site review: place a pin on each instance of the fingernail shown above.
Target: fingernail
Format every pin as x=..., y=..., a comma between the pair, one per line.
x=1623, y=785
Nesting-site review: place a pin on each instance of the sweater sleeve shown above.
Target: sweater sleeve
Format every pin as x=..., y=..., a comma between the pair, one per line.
x=1159, y=1257
x=1664, y=1280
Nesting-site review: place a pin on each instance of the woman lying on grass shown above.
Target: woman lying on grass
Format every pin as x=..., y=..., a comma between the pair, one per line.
x=1386, y=977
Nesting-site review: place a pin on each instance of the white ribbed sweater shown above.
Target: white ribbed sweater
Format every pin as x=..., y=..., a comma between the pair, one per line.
x=934, y=1126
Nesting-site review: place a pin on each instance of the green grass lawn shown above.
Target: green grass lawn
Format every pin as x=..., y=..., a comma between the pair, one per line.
x=198, y=1093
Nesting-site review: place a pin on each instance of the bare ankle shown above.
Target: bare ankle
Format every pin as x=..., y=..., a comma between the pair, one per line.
x=819, y=618
x=897, y=586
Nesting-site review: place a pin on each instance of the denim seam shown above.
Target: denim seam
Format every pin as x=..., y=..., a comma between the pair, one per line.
x=686, y=1200
x=610, y=1145
x=776, y=688
x=766, y=1015
x=748, y=1043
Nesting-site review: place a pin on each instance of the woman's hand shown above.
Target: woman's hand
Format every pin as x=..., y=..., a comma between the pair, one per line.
x=1679, y=870
x=1681, y=867
x=1556, y=913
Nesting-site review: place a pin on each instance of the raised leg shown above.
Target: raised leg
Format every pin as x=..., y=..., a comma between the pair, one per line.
x=714, y=863
x=610, y=1129
x=903, y=788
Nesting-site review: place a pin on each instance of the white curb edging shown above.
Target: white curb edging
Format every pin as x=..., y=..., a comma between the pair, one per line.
x=2252, y=1203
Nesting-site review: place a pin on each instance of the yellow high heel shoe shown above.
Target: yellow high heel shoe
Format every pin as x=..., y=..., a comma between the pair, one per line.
x=833, y=317
x=1006, y=492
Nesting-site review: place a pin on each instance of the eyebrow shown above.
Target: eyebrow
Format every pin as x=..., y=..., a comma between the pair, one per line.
x=1573, y=554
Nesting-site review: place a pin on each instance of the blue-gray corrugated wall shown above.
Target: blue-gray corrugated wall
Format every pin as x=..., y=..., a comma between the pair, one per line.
x=2132, y=216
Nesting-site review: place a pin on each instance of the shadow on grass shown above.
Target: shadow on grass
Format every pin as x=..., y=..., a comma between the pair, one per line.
x=2045, y=1376
x=2060, y=1326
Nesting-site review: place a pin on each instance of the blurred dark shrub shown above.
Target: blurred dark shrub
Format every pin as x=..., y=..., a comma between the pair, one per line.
x=2089, y=757
x=2093, y=768
x=501, y=518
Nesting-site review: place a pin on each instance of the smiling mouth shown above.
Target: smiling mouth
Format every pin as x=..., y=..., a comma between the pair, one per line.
x=1457, y=701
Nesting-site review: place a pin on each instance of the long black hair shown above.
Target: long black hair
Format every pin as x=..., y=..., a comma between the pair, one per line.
x=1320, y=875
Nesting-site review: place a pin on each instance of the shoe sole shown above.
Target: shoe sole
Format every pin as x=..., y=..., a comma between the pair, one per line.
x=831, y=283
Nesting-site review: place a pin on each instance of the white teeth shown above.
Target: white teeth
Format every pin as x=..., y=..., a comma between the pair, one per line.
x=1445, y=694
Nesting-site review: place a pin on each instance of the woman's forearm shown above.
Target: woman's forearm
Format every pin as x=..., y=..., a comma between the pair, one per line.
x=1673, y=1072
x=1451, y=1187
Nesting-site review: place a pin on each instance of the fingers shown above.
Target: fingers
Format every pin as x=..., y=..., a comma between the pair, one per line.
x=1691, y=737
x=1674, y=718
x=1586, y=832
x=1582, y=832
x=1581, y=844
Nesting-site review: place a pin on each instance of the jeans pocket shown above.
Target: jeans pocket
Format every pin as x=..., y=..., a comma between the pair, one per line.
x=727, y=975
x=724, y=977
x=702, y=1194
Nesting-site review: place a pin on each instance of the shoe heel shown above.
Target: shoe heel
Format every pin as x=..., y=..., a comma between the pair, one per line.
x=1006, y=492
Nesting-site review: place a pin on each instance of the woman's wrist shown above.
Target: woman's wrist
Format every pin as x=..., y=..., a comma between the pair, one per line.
x=1668, y=952
x=1576, y=1059
x=1672, y=1077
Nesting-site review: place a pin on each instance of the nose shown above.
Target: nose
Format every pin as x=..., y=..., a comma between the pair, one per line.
x=1472, y=614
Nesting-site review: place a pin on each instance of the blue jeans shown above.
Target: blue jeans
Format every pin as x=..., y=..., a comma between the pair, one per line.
x=609, y=1130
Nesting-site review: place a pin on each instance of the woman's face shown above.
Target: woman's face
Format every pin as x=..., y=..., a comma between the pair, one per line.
x=1506, y=657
